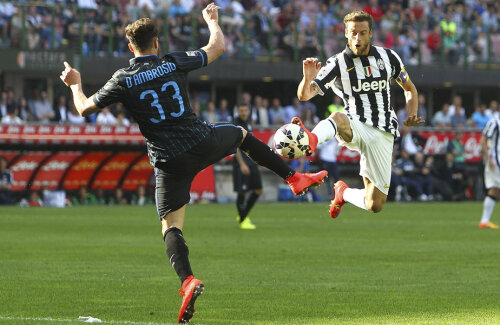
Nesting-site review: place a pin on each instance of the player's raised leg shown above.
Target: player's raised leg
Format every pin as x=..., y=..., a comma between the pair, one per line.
x=263, y=155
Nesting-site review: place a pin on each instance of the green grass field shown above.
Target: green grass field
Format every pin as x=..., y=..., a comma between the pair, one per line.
x=409, y=264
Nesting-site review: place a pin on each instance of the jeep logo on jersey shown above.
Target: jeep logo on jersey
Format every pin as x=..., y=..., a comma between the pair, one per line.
x=368, y=86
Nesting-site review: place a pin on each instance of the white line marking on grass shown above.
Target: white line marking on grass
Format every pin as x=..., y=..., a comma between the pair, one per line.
x=49, y=319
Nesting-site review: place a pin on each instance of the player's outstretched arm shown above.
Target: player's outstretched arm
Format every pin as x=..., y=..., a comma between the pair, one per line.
x=216, y=45
x=310, y=68
x=411, y=96
x=71, y=77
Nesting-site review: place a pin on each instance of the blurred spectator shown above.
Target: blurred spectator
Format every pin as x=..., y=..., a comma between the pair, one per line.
x=442, y=118
x=83, y=197
x=422, y=108
x=409, y=141
x=457, y=148
x=374, y=9
x=434, y=40
x=407, y=172
x=480, y=117
x=458, y=120
x=40, y=106
x=308, y=41
x=105, y=117
x=34, y=200
x=121, y=120
x=328, y=159
x=209, y=115
x=222, y=112
x=424, y=169
x=11, y=117
x=493, y=109
x=61, y=110
x=292, y=110
x=3, y=104
x=6, y=181
x=99, y=198
x=308, y=117
x=262, y=106
x=118, y=198
x=456, y=103
x=140, y=198
x=180, y=30
x=197, y=108
x=277, y=112
x=24, y=111
x=34, y=27
x=247, y=40
x=450, y=177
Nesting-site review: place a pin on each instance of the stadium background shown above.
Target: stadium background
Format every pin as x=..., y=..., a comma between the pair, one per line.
x=450, y=48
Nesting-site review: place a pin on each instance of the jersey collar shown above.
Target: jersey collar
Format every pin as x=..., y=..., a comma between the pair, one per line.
x=142, y=58
x=351, y=54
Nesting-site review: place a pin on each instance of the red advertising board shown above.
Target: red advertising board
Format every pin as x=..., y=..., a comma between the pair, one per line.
x=52, y=171
x=111, y=173
x=24, y=167
x=84, y=168
x=203, y=186
x=437, y=143
x=139, y=174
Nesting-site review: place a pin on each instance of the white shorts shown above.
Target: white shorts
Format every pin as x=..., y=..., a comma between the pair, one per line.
x=376, y=148
x=491, y=177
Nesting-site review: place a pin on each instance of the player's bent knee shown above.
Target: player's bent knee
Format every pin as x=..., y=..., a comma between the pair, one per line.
x=374, y=206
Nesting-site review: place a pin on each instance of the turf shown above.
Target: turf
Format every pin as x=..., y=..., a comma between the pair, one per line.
x=409, y=264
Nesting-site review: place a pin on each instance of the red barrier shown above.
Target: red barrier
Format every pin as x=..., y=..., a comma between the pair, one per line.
x=83, y=170
x=112, y=171
x=51, y=173
x=139, y=174
x=23, y=168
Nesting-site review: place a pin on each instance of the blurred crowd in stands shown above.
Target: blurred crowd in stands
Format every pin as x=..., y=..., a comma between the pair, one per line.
x=446, y=29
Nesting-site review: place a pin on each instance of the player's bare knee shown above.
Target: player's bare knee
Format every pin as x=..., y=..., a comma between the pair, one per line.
x=343, y=125
x=244, y=132
x=374, y=206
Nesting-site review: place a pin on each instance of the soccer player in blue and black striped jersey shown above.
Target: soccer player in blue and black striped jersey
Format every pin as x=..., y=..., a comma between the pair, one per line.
x=154, y=91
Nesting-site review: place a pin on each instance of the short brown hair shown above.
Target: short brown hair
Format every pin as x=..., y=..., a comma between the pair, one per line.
x=359, y=16
x=141, y=33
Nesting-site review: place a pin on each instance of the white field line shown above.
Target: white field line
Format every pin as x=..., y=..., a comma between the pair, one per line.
x=60, y=320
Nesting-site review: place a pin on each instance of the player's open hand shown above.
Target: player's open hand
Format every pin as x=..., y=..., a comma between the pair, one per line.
x=70, y=76
x=413, y=120
x=210, y=13
x=310, y=68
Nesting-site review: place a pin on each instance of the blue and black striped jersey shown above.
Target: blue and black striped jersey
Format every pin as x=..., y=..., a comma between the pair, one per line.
x=154, y=91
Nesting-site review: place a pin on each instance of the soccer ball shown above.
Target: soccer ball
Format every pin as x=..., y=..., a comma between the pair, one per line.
x=291, y=141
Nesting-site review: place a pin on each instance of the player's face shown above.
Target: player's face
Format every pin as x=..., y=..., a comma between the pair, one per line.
x=358, y=36
x=243, y=112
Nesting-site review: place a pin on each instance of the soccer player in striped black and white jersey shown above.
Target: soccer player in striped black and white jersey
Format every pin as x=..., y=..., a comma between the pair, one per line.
x=490, y=147
x=361, y=76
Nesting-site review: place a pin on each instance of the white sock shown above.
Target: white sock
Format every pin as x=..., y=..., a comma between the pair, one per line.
x=488, y=206
x=325, y=130
x=355, y=196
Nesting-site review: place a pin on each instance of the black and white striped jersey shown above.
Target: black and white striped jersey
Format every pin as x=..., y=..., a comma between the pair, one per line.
x=363, y=82
x=492, y=132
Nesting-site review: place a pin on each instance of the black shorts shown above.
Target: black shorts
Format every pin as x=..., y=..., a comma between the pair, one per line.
x=174, y=177
x=243, y=183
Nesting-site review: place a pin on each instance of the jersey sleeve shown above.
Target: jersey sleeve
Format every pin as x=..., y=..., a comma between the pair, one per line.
x=398, y=68
x=490, y=128
x=325, y=76
x=189, y=60
x=110, y=93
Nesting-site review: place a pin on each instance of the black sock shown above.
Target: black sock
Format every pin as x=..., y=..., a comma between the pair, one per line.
x=240, y=205
x=251, y=201
x=177, y=252
x=264, y=156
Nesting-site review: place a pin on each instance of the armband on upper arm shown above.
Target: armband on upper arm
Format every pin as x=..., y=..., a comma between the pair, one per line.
x=403, y=77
